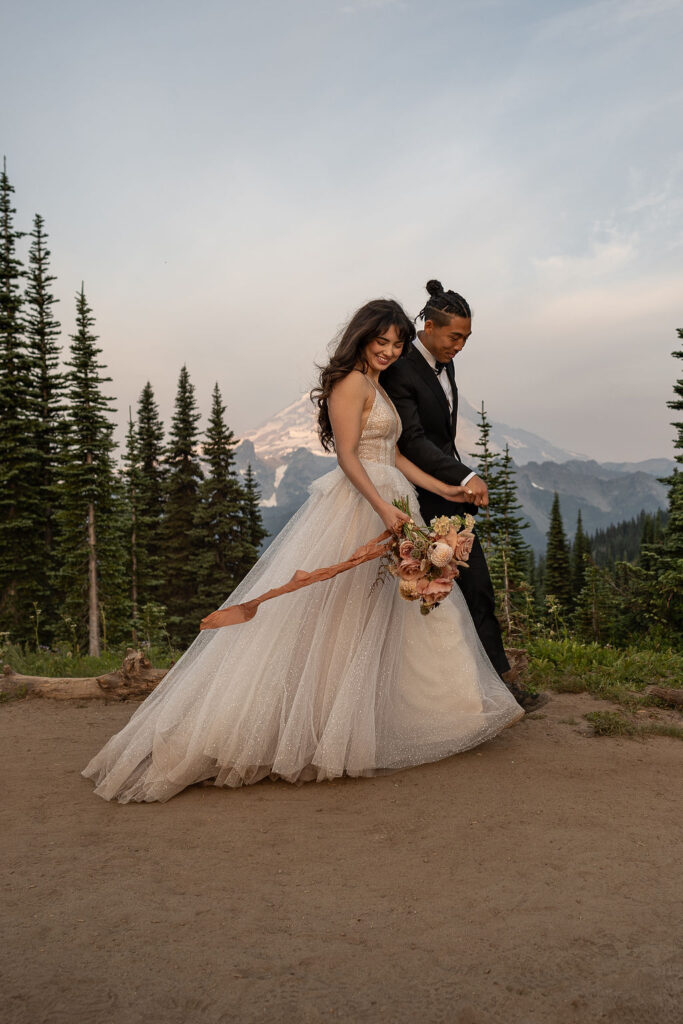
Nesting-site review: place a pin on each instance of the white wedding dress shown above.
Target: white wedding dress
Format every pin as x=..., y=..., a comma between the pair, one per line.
x=332, y=679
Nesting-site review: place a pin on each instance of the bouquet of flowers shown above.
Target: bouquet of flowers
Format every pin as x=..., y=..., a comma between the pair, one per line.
x=427, y=560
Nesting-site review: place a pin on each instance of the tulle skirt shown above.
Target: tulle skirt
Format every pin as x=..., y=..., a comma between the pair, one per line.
x=337, y=678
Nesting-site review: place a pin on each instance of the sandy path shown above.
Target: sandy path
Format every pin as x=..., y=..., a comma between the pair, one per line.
x=535, y=879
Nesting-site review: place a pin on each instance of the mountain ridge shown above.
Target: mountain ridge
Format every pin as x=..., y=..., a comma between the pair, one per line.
x=285, y=456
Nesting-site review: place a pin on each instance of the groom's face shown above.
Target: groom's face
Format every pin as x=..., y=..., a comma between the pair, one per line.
x=445, y=342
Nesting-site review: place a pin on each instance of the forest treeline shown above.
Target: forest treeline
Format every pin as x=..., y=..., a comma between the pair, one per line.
x=100, y=551
x=95, y=550
x=621, y=586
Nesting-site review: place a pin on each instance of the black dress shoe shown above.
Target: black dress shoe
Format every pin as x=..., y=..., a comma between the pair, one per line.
x=526, y=699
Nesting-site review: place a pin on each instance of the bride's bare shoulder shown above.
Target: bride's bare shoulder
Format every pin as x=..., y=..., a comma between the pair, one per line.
x=354, y=387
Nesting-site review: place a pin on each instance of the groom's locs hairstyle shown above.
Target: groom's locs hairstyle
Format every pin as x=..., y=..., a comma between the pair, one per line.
x=367, y=323
x=443, y=305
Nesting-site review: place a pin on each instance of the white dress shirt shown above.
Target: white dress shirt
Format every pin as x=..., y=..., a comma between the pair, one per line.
x=443, y=381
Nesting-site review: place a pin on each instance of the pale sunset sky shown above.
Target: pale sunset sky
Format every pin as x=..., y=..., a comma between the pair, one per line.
x=232, y=179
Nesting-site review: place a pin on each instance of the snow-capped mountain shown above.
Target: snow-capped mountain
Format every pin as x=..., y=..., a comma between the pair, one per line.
x=291, y=428
x=286, y=457
x=294, y=427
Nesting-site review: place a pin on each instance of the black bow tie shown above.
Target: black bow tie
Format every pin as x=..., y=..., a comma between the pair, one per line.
x=438, y=367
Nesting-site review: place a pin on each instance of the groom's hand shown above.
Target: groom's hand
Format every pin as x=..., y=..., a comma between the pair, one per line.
x=478, y=492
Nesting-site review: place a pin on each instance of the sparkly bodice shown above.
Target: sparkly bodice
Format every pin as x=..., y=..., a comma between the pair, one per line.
x=381, y=432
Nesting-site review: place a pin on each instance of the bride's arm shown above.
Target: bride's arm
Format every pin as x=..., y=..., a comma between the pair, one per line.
x=346, y=405
x=417, y=476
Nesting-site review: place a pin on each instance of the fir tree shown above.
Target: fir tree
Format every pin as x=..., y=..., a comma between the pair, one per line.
x=595, y=607
x=19, y=467
x=151, y=498
x=667, y=557
x=557, y=568
x=42, y=334
x=252, y=531
x=219, y=543
x=580, y=549
x=182, y=501
x=509, y=561
x=91, y=554
x=486, y=460
x=133, y=479
x=652, y=530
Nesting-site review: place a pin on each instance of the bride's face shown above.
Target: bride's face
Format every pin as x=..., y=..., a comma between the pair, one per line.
x=383, y=350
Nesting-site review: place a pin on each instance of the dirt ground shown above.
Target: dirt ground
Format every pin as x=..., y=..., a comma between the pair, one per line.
x=536, y=878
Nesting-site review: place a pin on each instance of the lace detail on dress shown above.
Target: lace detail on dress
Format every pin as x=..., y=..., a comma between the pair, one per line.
x=381, y=432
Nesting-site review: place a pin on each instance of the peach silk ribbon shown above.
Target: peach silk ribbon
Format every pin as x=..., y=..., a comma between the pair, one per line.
x=237, y=613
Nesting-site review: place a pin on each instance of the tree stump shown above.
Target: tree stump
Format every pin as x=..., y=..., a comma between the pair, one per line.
x=519, y=661
x=135, y=678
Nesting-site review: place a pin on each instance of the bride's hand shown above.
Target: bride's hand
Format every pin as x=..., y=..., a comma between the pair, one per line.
x=392, y=517
x=454, y=492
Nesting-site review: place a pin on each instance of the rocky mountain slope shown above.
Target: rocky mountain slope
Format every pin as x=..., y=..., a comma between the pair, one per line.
x=286, y=457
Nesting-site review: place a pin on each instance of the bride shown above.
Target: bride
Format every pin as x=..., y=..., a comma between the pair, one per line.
x=337, y=678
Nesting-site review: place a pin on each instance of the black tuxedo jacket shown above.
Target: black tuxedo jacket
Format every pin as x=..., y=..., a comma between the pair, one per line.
x=428, y=436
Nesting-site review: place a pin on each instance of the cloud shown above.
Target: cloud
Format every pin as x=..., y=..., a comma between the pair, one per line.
x=609, y=306
x=602, y=259
x=357, y=6
x=605, y=15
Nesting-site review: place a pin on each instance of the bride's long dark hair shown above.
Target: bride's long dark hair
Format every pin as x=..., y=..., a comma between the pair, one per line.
x=367, y=323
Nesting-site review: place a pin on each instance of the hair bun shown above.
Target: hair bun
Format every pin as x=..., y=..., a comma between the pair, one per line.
x=434, y=288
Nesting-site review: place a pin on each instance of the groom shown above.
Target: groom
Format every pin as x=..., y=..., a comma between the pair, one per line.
x=422, y=387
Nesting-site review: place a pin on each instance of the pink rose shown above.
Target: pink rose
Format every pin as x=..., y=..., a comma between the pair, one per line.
x=434, y=590
x=463, y=546
x=439, y=588
x=451, y=537
x=410, y=569
x=450, y=572
x=405, y=549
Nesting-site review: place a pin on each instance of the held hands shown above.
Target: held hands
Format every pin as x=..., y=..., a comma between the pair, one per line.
x=392, y=517
x=477, y=493
x=454, y=492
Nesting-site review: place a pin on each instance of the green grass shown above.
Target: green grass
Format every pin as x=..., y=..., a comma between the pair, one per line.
x=64, y=663
x=611, y=723
x=17, y=694
x=617, y=674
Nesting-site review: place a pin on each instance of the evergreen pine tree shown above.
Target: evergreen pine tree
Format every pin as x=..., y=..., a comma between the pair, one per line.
x=539, y=587
x=651, y=536
x=184, y=477
x=220, y=549
x=581, y=548
x=132, y=477
x=252, y=531
x=486, y=462
x=151, y=498
x=557, y=568
x=91, y=553
x=19, y=468
x=667, y=556
x=42, y=334
x=509, y=560
x=594, y=613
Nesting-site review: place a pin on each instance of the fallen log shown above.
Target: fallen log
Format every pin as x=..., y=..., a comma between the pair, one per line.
x=135, y=678
x=669, y=696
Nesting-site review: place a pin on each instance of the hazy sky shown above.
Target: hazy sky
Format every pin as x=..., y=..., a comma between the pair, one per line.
x=232, y=179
